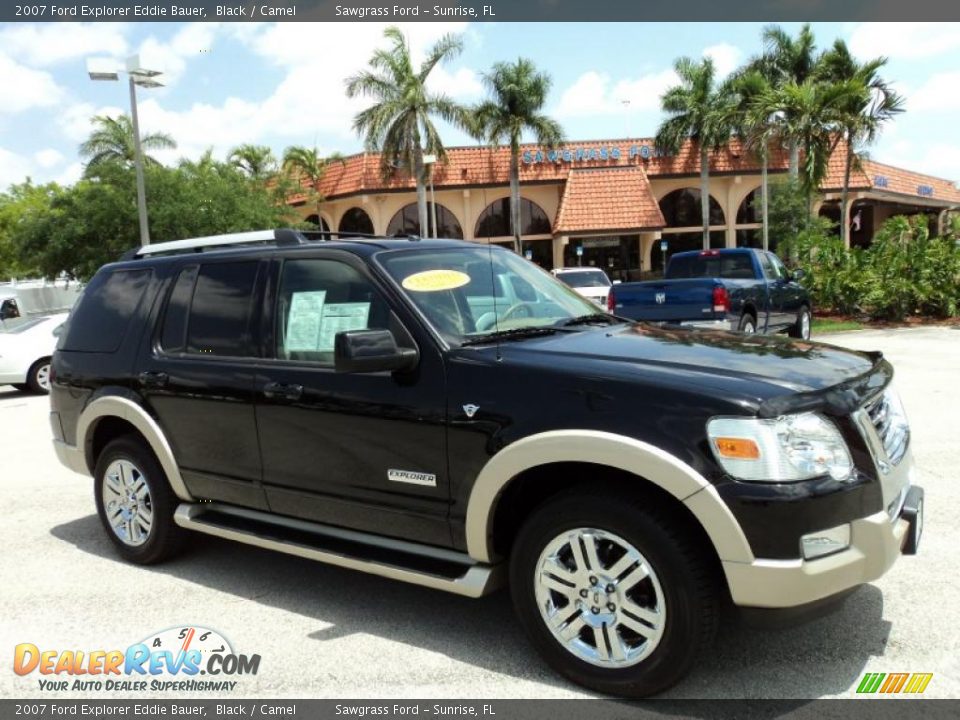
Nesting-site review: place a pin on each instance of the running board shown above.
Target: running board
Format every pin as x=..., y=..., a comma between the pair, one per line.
x=424, y=565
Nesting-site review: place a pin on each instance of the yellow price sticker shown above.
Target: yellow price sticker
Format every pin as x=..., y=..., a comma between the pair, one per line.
x=435, y=280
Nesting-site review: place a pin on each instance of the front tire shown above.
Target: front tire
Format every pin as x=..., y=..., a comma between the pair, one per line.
x=615, y=595
x=38, y=377
x=135, y=502
x=801, y=328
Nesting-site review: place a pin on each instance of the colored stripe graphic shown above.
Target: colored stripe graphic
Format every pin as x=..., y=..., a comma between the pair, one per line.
x=893, y=683
x=918, y=682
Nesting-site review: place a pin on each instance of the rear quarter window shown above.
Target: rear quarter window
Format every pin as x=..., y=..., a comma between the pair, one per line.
x=103, y=314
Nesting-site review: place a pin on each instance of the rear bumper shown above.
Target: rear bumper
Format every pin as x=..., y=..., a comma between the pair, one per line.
x=709, y=325
x=875, y=544
x=71, y=457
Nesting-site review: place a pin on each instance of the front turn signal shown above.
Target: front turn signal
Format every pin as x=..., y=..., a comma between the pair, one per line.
x=737, y=448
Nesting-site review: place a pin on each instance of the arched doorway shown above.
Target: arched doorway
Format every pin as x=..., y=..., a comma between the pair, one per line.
x=355, y=220
x=681, y=211
x=318, y=221
x=406, y=221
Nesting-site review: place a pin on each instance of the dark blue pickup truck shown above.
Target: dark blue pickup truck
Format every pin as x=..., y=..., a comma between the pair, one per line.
x=732, y=289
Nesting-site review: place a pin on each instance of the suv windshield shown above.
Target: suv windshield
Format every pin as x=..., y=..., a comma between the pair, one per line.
x=470, y=293
x=584, y=278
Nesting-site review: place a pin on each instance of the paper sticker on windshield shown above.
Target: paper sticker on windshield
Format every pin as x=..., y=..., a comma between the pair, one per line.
x=435, y=280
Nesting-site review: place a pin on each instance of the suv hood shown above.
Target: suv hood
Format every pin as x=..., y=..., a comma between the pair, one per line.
x=780, y=374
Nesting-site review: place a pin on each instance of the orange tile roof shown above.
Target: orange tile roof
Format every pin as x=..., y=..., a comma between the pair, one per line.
x=480, y=165
x=607, y=199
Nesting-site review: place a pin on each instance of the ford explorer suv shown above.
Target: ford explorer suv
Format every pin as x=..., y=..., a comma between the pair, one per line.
x=375, y=404
x=730, y=289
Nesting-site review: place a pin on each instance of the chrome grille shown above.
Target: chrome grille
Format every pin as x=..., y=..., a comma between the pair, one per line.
x=893, y=434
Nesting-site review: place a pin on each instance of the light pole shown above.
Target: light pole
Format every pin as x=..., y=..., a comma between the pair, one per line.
x=431, y=160
x=100, y=69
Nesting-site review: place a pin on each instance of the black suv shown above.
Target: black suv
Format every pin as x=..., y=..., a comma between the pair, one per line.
x=448, y=414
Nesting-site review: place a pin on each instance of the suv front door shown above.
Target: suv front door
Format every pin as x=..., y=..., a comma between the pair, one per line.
x=365, y=451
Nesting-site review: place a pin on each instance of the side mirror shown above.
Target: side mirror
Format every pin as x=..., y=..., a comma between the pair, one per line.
x=797, y=275
x=370, y=351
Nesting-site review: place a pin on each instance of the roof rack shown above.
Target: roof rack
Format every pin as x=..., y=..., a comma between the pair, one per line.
x=280, y=236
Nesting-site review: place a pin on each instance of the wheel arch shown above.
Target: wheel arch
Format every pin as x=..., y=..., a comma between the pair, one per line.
x=615, y=455
x=108, y=417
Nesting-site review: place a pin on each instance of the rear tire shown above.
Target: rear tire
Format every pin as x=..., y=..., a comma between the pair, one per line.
x=38, y=377
x=747, y=324
x=801, y=328
x=633, y=625
x=135, y=502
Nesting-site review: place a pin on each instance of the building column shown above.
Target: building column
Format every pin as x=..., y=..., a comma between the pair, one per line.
x=845, y=234
x=558, y=245
x=730, y=213
x=467, y=218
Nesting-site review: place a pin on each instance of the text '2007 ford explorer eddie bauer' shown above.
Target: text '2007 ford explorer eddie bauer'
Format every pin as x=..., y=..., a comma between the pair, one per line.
x=374, y=403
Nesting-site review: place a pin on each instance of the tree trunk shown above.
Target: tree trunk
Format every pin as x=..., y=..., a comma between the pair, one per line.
x=764, y=194
x=515, y=199
x=418, y=171
x=794, y=158
x=705, y=195
x=844, y=193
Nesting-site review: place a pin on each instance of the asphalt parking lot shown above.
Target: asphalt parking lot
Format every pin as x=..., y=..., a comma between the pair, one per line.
x=331, y=633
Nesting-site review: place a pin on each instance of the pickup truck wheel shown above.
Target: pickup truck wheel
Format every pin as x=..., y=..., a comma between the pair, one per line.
x=614, y=596
x=748, y=324
x=801, y=329
x=135, y=502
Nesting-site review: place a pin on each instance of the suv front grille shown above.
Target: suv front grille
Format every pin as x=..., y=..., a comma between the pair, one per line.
x=892, y=431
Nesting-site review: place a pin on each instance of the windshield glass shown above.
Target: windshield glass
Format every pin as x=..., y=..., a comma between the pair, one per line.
x=585, y=278
x=467, y=293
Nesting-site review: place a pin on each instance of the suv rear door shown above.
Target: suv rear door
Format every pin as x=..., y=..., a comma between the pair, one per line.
x=365, y=451
x=196, y=376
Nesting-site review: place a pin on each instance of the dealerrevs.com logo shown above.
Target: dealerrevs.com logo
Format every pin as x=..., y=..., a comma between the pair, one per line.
x=176, y=659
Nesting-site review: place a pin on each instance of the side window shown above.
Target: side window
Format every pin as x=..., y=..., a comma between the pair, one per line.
x=769, y=272
x=778, y=267
x=101, y=318
x=219, y=319
x=9, y=310
x=173, y=336
x=736, y=266
x=317, y=300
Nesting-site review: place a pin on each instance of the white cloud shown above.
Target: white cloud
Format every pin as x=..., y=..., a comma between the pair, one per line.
x=48, y=158
x=904, y=40
x=76, y=120
x=171, y=57
x=70, y=174
x=14, y=168
x=595, y=93
x=725, y=58
x=51, y=43
x=23, y=88
x=460, y=85
x=938, y=93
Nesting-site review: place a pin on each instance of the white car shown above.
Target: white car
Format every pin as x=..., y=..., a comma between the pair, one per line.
x=26, y=346
x=590, y=282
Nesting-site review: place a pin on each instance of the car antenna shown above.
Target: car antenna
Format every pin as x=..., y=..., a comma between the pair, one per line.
x=493, y=280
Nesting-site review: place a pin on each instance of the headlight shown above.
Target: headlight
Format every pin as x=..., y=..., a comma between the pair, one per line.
x=788, y=448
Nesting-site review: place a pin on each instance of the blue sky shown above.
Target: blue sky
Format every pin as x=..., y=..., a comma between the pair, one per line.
x=283, y=84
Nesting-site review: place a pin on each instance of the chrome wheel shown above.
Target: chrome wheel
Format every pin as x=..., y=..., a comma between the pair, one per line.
x=805, y=325
x=600, y=598
x=126, y=502
x=42, y=377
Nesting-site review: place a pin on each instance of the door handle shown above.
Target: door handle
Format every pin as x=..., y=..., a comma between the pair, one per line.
x=281, y=391
x=153, y=379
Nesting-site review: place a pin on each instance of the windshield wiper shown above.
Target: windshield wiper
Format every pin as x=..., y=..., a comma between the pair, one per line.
x=590, y=319
x=514, y=334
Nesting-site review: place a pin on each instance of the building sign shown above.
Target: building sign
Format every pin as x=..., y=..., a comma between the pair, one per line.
x=588, y=154
x=881, y=181
x=925, y=190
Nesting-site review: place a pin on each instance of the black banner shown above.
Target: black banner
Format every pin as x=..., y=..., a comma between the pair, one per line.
x=484, y=11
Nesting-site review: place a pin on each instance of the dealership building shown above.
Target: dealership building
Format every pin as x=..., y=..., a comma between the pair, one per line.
x=615, y=204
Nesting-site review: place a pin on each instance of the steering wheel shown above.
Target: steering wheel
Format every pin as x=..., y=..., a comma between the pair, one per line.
x=488, y=320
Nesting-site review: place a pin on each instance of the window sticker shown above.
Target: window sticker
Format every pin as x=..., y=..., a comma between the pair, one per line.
x=435, y=280
x=303, y=323
x=340, y=317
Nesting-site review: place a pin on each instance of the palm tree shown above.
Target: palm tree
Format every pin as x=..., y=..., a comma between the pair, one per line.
x=306, y=163
x=699, y=110
x=519, y=93
x=869, y=104
x=255, y=161
x=112, y=141
x=399, y=124
x=788, y=60
x=812, y=112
